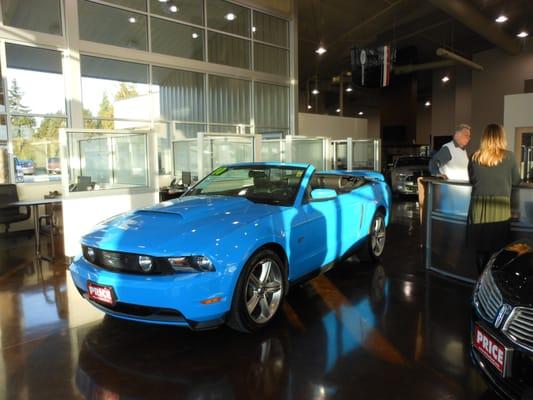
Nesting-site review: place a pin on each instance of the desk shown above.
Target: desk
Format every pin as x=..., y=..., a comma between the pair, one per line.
x=34, y=204
x=170, y=192
x=445, y=222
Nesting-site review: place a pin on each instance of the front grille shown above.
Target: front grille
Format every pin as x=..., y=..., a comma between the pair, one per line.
x=519, y=327
x=489, y=299
x=126, y=262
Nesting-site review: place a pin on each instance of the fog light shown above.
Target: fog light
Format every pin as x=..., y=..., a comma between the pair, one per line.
x=145, y=263
x=91, y=256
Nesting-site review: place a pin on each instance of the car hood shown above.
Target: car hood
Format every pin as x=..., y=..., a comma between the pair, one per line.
x=183, y=225
x=513, y=273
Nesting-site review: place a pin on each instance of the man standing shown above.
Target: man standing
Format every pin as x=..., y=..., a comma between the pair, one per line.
x=451, y=161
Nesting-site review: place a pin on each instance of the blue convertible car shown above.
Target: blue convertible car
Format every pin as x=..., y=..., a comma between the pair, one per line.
x=227, y=251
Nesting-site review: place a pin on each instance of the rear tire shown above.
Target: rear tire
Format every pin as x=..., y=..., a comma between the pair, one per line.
x=374, y=246
x=259, y=292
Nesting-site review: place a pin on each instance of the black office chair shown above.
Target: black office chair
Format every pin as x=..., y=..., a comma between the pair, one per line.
x=10, y=215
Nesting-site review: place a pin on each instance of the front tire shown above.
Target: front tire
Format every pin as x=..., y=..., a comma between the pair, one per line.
x=259, y=292
x=375, y=243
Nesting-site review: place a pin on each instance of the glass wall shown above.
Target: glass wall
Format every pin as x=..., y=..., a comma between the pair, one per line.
x=158, y=70
x=36, y=100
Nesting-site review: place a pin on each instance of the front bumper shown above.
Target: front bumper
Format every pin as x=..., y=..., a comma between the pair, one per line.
x=519, y=385
x=161, y=299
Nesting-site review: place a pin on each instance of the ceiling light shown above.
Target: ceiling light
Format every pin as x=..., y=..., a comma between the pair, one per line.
x=230, y=16
x=254, y=28
x=349, y=89
x=315, y=92
x=173, y=8
x=195, y=35
x=523, y=34
x=338, y=110
x=427, y=103
x=163, y=1
x=445, y=79
x=321, y=50
x=309, y=106
x=132, y=20
x=360, y=113
x=501, y=19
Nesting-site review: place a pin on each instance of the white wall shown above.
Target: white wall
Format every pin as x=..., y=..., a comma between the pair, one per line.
x=517, y=113
x=332, y=126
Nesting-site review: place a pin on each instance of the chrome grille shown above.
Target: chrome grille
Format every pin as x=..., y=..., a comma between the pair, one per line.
x=488, y=298
x=519, y=327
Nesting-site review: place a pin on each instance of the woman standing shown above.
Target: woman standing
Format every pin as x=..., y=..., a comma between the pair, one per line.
x=493, y=172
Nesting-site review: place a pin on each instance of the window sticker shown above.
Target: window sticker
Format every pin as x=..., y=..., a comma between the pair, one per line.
x=219, y=171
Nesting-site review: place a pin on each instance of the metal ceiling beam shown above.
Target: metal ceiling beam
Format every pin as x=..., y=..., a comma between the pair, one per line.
x=408, y=69
x=459, y=59
x=464, y=12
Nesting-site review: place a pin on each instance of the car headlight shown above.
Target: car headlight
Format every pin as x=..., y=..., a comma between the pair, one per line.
x=145, y=263
x=91, y=256
x=191, y=264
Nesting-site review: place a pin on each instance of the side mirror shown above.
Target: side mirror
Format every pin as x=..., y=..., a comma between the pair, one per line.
x=323, y=194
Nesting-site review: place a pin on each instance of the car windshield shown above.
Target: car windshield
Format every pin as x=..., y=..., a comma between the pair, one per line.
x=412, y=161
x=276, y=185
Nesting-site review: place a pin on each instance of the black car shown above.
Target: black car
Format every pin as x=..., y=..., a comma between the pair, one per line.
x=502, y=322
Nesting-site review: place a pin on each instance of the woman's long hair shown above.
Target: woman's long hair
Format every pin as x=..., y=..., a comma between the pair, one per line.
x=492, y=147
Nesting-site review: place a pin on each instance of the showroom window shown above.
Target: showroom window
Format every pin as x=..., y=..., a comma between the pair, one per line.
x=176, y=39
x=115, y=94
x=228, y=50
x=229, y=100
x=179, y=103
x=271, y=44
x=228, y=17
x=110, y=25
x=36, y=15
x=36, y=102
x=191, y=11
x=271, y=107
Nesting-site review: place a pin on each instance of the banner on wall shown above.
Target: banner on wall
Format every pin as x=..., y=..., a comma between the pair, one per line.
x=371, y=67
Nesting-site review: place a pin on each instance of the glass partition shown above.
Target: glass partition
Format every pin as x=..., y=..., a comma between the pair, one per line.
x=100, y=160
x=366, y=154
x=308, y=150
x=217, y=150
x=272, y=150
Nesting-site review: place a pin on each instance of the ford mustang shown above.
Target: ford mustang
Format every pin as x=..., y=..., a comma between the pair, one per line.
x=228, y=249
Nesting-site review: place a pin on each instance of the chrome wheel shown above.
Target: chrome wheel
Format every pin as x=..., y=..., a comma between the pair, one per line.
x=264, y=290
x=377, y=235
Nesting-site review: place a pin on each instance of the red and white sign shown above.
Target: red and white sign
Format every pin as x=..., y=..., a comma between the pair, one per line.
x=102, y=294
x=493, y=350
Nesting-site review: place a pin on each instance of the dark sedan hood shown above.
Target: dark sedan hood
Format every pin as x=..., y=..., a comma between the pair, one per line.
x=513, y=273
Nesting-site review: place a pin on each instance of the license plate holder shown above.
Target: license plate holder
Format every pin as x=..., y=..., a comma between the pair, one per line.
x=493, y=351
x=101, y=293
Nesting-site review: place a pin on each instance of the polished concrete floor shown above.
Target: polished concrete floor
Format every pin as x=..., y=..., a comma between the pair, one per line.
x=383, y=331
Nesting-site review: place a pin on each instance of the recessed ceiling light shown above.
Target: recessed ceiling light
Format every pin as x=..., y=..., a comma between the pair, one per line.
x=173, y=8
x=309, y=106
x=132, y=20
x=230, y=16
x=523, y=34
x=254, y=28
x=338, y=110
x=349, y=89
x=315, y=92
x=360, y=113
x=195, y=35
x=321, y=50
x=445, y=79
x=427, y=103
x=501, y=19
x=163, y=1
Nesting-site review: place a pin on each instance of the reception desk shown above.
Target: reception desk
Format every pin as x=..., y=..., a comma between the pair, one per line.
x=445, y=219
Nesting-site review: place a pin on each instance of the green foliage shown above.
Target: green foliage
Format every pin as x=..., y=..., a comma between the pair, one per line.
x=125, y=91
